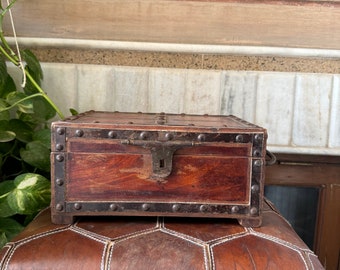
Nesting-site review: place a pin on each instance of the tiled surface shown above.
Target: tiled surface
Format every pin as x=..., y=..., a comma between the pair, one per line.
x=311, y=110
x=334, y=129
x=238, y=94
x=301, y=111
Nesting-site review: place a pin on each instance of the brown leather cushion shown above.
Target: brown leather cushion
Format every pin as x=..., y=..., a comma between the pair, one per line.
x=158, y=243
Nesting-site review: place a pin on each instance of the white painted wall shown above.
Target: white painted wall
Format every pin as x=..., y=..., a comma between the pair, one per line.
x=300, y=111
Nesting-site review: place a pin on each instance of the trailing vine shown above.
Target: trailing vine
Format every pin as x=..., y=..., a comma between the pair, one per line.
x=25, y=112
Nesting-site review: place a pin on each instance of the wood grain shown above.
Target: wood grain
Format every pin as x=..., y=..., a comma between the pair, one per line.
x=309, y=24
x=126, y=177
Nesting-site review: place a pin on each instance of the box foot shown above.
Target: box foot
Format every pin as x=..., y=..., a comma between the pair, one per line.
x=246, y=222
x=61, y=219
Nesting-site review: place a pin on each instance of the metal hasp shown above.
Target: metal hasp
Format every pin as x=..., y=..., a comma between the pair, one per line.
x=162, y=154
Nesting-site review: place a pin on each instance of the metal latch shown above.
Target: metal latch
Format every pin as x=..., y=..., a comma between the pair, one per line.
x=162, y=154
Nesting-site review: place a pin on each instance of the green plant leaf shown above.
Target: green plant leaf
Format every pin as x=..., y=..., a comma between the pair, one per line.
x=4, y=124
x=37, y=155
x=42, y=109
x=3, y=239
x=34, y=69
x=30, y=88
x=43, y=136
x=7, y=84
x=8, y=87
x=4, y=114
x=25, y=106
x=32, y=63
x=23, y=131
x=28, y=119
x=73, y=111
x=6, y=188
x=6, y=136
x=32, y=193
x=8, y=229
x=5, y=148
x=3, y=75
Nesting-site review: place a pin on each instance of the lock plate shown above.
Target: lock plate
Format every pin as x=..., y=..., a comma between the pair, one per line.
x=162, y=154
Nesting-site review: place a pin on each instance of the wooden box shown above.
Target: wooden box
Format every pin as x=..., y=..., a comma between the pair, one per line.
x=112, y=163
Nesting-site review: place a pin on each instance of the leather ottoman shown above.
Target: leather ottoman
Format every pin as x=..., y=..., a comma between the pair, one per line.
x=158, y=243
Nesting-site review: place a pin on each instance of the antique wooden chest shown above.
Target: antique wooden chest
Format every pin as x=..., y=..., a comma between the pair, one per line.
x=113, y=163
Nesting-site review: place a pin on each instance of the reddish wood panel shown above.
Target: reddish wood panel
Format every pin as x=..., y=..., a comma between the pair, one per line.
x=126, y=177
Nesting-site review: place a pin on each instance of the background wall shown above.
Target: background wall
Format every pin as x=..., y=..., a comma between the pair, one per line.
x=300, y=110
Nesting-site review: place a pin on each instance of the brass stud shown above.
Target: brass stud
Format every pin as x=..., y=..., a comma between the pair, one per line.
x=112, y=134
x=203, y=208
x=239, y=138
x=176, y=207
x=258, y=137
x=253, y=211
x=169, y=136
x=59, y=181
x=59, y=207
x=145, y=207
x=77, y=206
x=59, y=147
x=257, y=163
x=201, y=137
x=257, y=153
x=79, y=133
x=143, y=135
x=235, y=209
x=255, y=188
x=113, y=207
x=60, y=131
x=59, y=158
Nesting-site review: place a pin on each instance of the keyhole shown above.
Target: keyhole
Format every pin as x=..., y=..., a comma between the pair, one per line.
x=161, y=163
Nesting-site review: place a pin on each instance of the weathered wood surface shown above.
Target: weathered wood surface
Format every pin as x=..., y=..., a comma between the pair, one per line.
x=309, y=24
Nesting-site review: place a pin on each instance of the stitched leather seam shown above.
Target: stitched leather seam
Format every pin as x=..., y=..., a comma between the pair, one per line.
x=283, y=243
x=5, y=257
x=88, y=234
x=208, y=262
x=133, y=235
x=107, y=256
x=223, y=239
x=228, y=238
x=277, y=240
x=16, y=245
x=183, y=236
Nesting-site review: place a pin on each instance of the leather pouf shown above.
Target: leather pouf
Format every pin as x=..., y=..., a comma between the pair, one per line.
x=158, y=243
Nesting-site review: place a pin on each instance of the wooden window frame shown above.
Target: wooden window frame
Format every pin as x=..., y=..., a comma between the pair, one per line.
x=322, y=172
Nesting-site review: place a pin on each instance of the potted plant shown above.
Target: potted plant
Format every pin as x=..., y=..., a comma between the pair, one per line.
x=25, y=112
